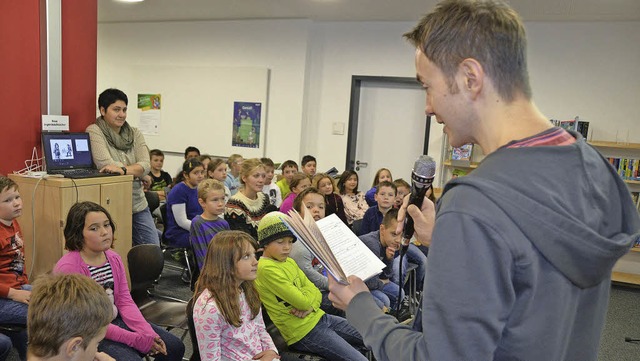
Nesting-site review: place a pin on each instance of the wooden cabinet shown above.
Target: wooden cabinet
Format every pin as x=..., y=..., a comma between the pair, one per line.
x=627, y=269
x=47, y=201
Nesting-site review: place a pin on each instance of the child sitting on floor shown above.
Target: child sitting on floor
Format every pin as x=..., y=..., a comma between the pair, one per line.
x=210, y=222
x=293, y=302
x=385, y=198
x=298, y=183
x=226, y=313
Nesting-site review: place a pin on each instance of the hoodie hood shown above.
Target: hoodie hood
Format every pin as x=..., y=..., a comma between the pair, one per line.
x=579, y=225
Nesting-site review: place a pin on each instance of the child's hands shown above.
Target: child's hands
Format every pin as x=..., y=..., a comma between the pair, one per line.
x=300, y=313
x=268, y=355
x=390, y=252
x=158, y=346
x=21, y=296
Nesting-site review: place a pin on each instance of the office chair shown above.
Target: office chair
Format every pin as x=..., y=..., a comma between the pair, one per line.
x=145, y=266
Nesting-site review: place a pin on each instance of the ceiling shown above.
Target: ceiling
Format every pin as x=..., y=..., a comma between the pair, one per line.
x=351, y=10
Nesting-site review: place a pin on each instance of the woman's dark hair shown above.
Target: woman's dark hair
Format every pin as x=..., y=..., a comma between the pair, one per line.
x=343, y=178
x=73, y=238
x=111, y=96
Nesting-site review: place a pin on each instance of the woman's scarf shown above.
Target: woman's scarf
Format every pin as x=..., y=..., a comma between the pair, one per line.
x=121, y=141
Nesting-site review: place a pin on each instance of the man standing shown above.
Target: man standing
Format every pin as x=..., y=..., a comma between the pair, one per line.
x=522, y=248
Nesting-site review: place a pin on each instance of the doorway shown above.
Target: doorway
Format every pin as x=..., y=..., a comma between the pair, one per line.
x=388, y=127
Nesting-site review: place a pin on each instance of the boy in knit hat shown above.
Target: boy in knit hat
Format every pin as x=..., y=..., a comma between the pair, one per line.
x=293, y=302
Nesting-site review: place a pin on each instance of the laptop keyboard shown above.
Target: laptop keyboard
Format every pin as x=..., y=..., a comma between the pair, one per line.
x=80, y=173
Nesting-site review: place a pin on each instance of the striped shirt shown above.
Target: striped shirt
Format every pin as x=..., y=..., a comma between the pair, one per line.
x=104, y=276
x=553, y=136
x=201, y=233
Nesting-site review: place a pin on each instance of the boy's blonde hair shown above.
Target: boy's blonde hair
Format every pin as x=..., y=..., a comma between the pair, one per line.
x=7, y=183
x=207, y=186
x=62, y=307
x=233, y=158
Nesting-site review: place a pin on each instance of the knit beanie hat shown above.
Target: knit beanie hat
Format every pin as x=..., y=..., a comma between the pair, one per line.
x=272, y=227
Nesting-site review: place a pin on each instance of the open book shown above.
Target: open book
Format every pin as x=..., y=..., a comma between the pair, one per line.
x=339, y=250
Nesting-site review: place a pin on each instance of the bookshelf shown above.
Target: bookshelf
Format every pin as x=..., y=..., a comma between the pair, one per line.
x=627, y=269
x=451, y=167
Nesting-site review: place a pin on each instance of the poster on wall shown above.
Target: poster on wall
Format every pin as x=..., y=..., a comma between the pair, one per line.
x=246, y=124
x=149, y=105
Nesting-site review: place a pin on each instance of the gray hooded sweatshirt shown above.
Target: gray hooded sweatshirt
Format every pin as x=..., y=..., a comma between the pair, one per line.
x=520, y=262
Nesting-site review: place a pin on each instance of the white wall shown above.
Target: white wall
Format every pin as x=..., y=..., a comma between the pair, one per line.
x=585, y=69
x=280, y=46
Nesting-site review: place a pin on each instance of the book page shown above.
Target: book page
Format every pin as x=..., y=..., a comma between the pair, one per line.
x=353, y=255
x=316, y=244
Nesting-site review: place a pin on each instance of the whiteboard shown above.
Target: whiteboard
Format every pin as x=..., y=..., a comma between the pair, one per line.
x=197, y=105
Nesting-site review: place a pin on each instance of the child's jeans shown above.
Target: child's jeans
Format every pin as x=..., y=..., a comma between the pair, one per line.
x=332, y=338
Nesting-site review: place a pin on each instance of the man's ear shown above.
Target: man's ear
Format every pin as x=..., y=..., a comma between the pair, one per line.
x=103, y=111
x=472, y=74
x=71, y=347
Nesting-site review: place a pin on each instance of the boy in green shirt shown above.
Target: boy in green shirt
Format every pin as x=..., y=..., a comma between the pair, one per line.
x=293, y=302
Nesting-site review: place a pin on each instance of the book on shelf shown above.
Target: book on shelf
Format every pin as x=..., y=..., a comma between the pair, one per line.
x=628, y=169
x=462, y=153
x=337, y=248
x=457, y=172
x=575, y=124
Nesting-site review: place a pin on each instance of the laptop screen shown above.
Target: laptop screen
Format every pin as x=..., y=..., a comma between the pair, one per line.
x=67, y=150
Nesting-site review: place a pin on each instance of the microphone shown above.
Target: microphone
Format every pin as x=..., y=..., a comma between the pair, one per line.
x=632, y=340
x=424, y=169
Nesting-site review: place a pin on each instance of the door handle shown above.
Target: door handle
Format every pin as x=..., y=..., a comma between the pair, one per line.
x=361, y=164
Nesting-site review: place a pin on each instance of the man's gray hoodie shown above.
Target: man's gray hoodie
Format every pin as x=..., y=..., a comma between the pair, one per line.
x=520, y=262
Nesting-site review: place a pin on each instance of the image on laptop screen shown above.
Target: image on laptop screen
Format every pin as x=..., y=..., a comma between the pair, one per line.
x=67, y=150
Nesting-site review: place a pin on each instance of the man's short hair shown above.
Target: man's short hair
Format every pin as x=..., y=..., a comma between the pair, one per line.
x=486, y=30
x=389, y=217
x=110, y=96
x=308, y=158
x=191, y=149
x=156, y=152
x=7, y=183
x=207, y=186
x=386, y=184
x=62, y=307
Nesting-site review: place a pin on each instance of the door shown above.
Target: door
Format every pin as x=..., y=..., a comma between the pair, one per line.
x=390, y=128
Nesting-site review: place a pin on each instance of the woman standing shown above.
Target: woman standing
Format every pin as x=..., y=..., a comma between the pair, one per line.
x=119, y=148
x=246, y=208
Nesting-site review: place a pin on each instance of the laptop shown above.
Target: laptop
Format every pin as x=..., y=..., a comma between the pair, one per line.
x=69, y=154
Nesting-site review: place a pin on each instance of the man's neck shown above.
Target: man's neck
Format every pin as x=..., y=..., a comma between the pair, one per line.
x=156, y=172
x=6, y=223
x=508, y=122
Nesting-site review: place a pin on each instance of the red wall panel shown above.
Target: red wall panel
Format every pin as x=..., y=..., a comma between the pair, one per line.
x=79, y=62
x=20, y=114
x=19, y=82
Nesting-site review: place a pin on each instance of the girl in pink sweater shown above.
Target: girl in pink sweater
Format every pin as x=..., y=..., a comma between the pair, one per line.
x=88, y=235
